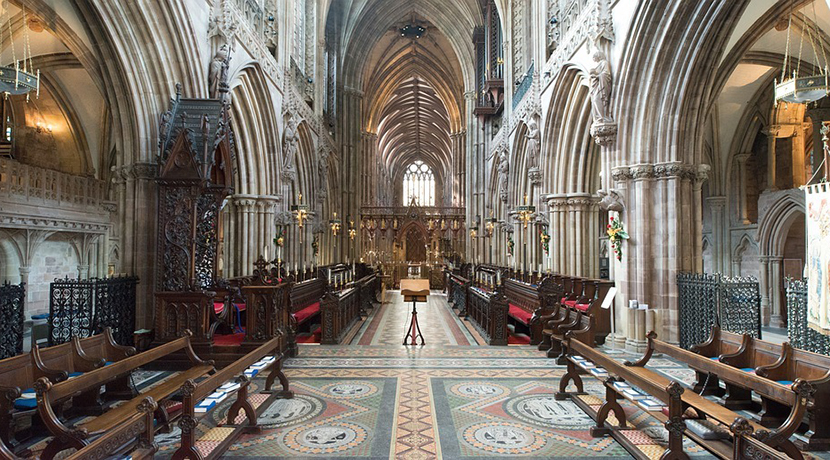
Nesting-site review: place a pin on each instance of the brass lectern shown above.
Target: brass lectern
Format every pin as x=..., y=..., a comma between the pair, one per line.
x=414, y=291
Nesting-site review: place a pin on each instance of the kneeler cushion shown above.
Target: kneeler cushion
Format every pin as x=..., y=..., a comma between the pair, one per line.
x=520, y=314
x=307, y=312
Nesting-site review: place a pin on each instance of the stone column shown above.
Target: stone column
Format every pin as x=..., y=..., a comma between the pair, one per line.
x=771, y=132
x=661, y=218
x=763, y=286
x=740, y=160
x=717, y=206
x=776, y=279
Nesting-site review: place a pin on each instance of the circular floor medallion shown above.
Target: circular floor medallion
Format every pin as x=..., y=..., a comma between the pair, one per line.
x=325, y=439
x=284, y=412
x=350, y=389
x=478, y=390
x=504, y=438
x=546, y=411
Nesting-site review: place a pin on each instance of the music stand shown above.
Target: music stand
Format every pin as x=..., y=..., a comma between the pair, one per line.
x=414, y=291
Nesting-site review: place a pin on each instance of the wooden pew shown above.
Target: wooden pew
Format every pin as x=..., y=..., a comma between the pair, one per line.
x=749, y=448
x=18, y=374
x=49, y=395
x=339, y=311
x=779, y=363
x=195, y=392
x=103, y=346
x=487, y=311
x=458, y=293
x=718, y=344
x=556, y=334
x=793, y=394
x=134, y=435
x=527, y=303
x=672, y=394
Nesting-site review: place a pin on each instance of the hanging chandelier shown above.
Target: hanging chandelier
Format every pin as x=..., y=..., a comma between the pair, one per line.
x=795, y=87
x=19, y=77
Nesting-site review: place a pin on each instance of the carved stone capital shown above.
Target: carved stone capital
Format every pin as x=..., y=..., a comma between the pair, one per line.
x=604, y=134
x=535, y=176
x=611, y=200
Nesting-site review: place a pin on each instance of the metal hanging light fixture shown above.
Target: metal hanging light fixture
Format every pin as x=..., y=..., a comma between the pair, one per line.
x=794, y=87
x=19, y=77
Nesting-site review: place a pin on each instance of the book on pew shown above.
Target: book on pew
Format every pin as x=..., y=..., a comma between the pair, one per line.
x=598, y=372
x=634, y=394
x=650, y=404
x=620, y=386
x=229, y=387
x=204, y=406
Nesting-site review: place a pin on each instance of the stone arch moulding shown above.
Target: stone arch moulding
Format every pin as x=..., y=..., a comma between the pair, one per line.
x=776, y=214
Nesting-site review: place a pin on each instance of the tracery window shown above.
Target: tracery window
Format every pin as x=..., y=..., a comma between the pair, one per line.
x=419, y=183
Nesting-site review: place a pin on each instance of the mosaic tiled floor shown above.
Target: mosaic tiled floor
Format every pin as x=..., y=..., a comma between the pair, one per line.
x=451, y=399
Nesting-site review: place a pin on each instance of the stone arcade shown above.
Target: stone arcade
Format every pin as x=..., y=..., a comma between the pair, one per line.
x=207, y=208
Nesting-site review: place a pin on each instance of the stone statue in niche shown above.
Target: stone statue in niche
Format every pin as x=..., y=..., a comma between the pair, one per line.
x=533, y=143
x=291, y=145
x=218, y=71
x=600, y=79
x=323, y=172
x=504, y=174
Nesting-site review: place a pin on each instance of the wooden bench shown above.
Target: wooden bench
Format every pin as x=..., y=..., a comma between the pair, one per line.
x=749, y=448
x=677, y=401
x=135, y=435
x=19, y=374
x=556, y=332
x=487, y=311
x=457, y=293
x=194, y=393
x=718, y=344
x=793, y=394
x=50, y=394
x=527, y=303
x=339, y=311
x=781, y=364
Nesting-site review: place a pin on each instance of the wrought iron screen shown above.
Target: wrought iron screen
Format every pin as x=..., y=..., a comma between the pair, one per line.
x=86, y=307
x=706, y=300
x=802, y=336
x=11, y=319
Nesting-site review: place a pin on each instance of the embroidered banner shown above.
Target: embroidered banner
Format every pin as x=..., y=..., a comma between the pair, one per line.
x=818, y=257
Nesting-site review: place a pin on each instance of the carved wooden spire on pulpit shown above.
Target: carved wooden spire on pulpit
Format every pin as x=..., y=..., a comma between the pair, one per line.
x=195, y=150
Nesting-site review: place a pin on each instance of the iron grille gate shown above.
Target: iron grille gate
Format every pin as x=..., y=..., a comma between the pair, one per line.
x=86, y=307
x=11, y=319
x=802, y=336
x=706, y=300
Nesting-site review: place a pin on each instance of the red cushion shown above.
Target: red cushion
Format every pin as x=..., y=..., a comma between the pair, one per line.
x=570, y=303
x=219, y=306
x=563, y=299
x=520, y=314
x=307, y=312
x=582, y=306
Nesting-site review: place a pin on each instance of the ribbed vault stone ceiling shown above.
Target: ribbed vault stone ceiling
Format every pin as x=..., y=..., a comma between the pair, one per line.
x=414, y=125
x=413, y=88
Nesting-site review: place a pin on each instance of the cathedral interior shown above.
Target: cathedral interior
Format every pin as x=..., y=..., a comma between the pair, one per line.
x=217, y=247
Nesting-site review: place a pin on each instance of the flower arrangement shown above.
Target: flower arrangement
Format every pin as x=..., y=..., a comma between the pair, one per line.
x=616, y=234
x=510, y=244
x=279, y=240
x=315, y=245
x=545, y=239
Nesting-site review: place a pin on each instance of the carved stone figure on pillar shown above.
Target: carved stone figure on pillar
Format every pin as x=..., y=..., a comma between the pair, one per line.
x=600, y=79
x=603, y=128
x=504, y=174
x=323, y=173
x=533, y=149
x=218, y=72
x=291, y=144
